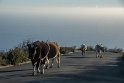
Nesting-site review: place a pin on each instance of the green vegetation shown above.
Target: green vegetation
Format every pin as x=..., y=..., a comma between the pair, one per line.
x=116, y=50
x=113, y=50
x=3, y=60
x=90, y=48
x=19, y=54
x=14, y=56
x=66, y=50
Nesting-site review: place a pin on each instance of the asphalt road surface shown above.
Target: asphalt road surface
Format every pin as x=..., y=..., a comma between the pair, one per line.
x=75, y=68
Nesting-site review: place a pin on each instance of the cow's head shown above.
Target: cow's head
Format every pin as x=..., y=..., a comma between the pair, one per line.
x=31, y=50
x=103, y=49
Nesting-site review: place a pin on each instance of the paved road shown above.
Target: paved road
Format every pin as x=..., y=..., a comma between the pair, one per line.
x=74, y=68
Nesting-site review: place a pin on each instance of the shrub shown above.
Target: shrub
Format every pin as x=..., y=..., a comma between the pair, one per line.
x=116, y=50
x=66, y=50
x=90, y=48
x=3, y=60
x=17, y=55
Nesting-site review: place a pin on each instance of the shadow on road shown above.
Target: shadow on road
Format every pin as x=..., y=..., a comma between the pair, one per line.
x=87, y=70
x=16, y=70
x=80, y=57
x=110, y=73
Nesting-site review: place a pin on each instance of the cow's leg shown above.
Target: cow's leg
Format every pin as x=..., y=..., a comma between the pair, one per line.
x=96, y=54
x=99, y=53
x=82, y=52
x=34, y=68
x=42, y=68
x=52, y=62
x=58, y=59
x=37, y=66
x=101, y=56
x=47, y=63
x=38, y=70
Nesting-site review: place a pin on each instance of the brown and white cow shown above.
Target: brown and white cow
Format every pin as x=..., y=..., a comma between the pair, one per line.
x=83, y=49
x=99, y=50
x=41, y=52
x=54, y=52
x=38, y=53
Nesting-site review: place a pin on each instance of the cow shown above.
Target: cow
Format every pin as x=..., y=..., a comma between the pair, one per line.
x=99, y=50
x=41, y=52
x=38, y=52
x=54, y=53
x=83, y=49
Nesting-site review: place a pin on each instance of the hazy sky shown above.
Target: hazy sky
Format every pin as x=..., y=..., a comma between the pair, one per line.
x=108, y=3
x=69, y=22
